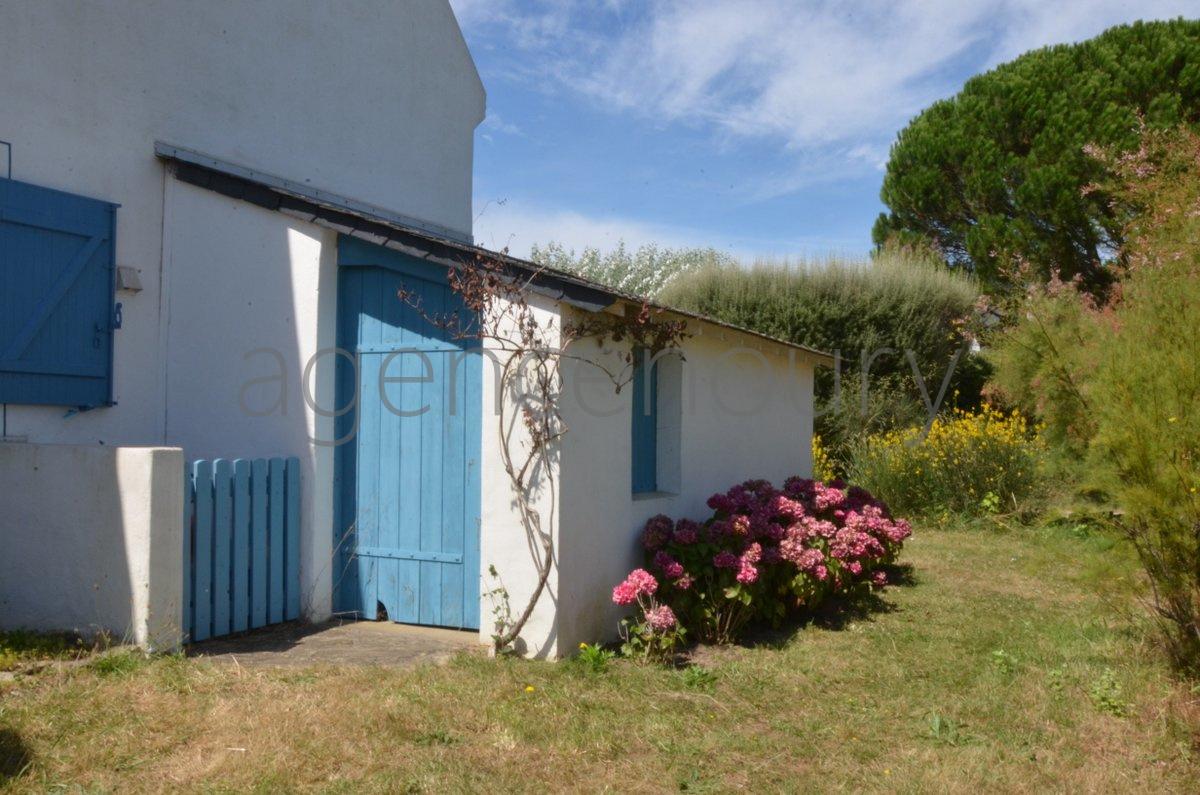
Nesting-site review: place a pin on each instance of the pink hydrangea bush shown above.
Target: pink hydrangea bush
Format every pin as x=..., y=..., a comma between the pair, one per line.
x=766, y=551
x=655, y=632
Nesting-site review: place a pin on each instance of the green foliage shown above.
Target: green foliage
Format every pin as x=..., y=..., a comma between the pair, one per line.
x=20, y=647
x=1127, y=393
x=841, y=304
x=1004, y=662
x=900, y=301
x=1107, y=696
x=119, y=663
x=1042, y=365
x=593, y=658
x=945, y=730
x=968, y=463
x=696, y=677
x=1000, y=170
x=1146, y=397
x=644, y=272
x=643, y=642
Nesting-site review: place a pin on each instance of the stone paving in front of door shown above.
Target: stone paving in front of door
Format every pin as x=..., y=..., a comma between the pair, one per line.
x=358, y=643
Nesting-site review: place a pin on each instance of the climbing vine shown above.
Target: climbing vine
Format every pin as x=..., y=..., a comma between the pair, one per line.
x=529, y=354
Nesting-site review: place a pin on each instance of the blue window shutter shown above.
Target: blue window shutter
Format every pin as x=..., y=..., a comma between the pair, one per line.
x=56, y=297
x=645, y=423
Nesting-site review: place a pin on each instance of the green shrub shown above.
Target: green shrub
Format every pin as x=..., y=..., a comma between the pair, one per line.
x=1043, y=364
x=763, y=553
x=1147, y=404
x=900, y=300
x=1120, y=383
x=643, y=272
x=969, y=463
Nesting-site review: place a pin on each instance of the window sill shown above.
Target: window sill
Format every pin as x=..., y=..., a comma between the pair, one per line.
x=653, y=495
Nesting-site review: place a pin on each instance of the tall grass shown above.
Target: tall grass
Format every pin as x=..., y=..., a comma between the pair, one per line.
x=895, y=300
x=995, y=666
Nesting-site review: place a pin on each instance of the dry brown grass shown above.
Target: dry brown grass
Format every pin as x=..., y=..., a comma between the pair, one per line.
x=980, y=675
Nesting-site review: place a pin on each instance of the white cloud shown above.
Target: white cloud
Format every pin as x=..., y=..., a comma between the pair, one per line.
x=831, y=82
x=517, y=225
x=493, y=123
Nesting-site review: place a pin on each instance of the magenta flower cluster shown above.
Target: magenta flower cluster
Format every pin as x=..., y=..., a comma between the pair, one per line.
x=765, y=546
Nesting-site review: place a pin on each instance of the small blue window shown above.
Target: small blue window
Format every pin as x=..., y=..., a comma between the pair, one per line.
x=645, y=423
x=56, y=297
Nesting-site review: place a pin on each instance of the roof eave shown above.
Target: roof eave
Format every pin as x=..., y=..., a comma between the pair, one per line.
x=411, y=236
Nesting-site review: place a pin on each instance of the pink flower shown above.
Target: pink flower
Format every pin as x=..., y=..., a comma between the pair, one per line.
x=671, y=568
x=657, y=532
x=643, y=581
x=756, y=527
x=686, y=532
x=720, y=503
x=747, y=573
x=639, y=583
x=661, y=618
x=726, y=560
x=785, y=508
x=819, y=527
x=624, y=594
x=805, y=558
x=827, y=497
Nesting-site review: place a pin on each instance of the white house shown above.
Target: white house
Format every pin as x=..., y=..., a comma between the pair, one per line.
x=210, y=212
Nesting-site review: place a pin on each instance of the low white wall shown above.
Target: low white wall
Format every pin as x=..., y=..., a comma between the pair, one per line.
x=91, y=539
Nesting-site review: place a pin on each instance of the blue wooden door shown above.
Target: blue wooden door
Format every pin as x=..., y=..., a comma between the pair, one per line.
x=409, y=489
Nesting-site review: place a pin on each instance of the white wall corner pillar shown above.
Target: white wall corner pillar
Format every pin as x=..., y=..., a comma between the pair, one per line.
x=154, y=536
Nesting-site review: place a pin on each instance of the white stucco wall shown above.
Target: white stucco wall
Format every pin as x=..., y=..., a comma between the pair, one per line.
x=377, y=101
x=91, y=540
x=504, y=542
x=746, y=412
x=249, y=309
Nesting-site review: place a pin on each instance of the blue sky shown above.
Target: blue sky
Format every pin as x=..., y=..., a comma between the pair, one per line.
x=759, y=127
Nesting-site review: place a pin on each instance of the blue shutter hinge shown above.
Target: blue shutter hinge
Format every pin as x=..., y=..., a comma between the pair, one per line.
x=117, y=316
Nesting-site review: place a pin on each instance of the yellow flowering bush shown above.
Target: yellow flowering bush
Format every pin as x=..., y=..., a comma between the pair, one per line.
x=970, y=462
x=822, y=464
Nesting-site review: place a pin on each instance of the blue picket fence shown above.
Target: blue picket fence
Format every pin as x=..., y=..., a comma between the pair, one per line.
x=241, y=545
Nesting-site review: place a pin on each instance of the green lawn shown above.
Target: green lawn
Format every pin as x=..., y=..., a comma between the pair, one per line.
x=1008, y=661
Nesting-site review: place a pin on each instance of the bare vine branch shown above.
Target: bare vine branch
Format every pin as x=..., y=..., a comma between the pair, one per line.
x=499, y=317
